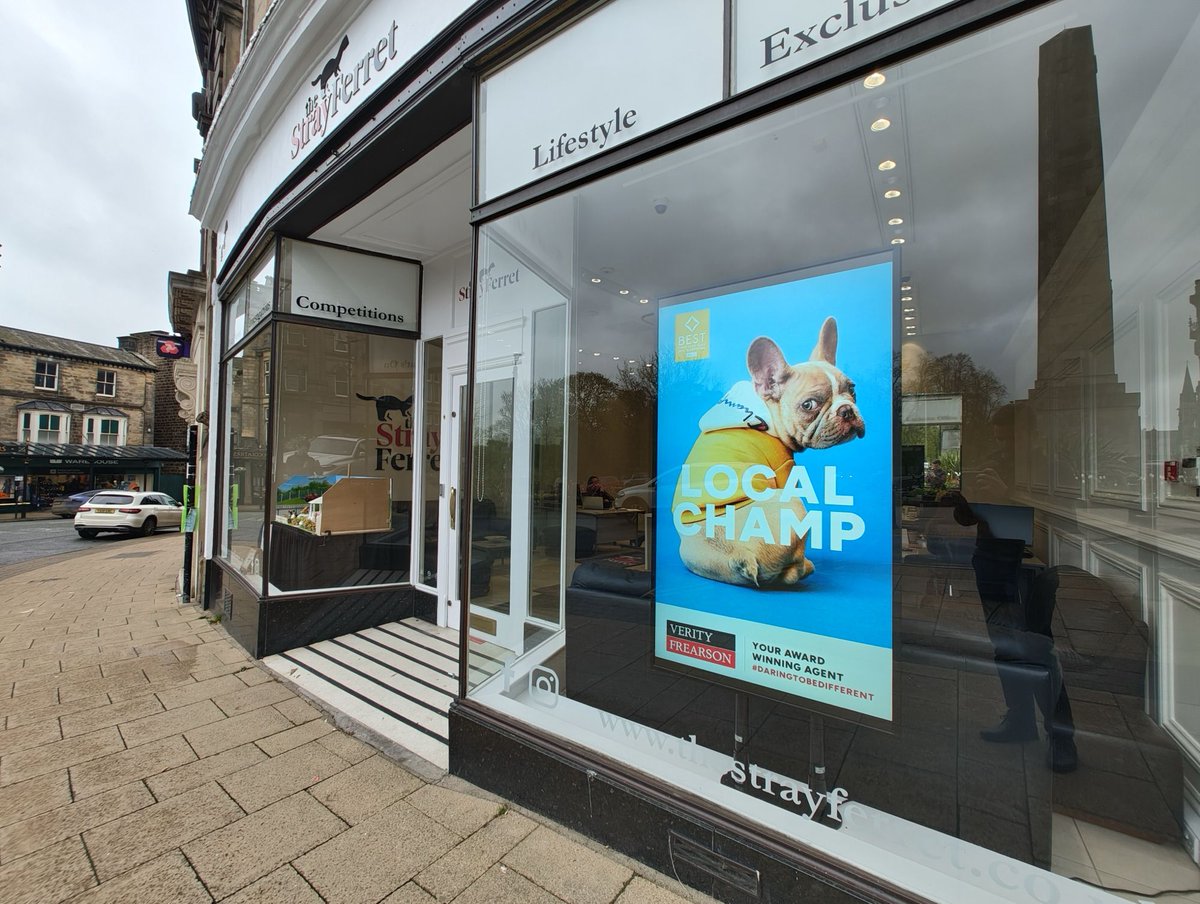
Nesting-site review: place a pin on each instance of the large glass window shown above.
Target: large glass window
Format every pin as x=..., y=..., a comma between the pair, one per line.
x=968, y=627
x=247, y=382
x=344, y=461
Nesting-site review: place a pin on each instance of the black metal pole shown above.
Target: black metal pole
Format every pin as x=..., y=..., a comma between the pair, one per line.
x=189, y=498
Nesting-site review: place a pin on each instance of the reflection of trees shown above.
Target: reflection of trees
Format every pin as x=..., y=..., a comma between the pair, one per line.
x=956, y=374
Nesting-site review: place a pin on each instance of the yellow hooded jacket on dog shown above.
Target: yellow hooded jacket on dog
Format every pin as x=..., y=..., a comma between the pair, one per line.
x=733, y=433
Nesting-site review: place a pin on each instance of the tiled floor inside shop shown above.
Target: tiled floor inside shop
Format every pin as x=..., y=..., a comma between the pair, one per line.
x=1118, y=861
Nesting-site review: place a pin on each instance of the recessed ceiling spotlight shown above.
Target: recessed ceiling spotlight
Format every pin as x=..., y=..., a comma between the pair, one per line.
x=897, y=241
x=884, y=167
x=895, y=221
x=906, y=298
x=623, y=292
x=892, y=193
x=643, y=301
x=595, y=354
x=910, y=310
x=595, y=279
x=905, y=287
x=880, y=124
x=874, y=80
x=616, y=358
x=910, y=318
x=631, y=361
x=581, y=349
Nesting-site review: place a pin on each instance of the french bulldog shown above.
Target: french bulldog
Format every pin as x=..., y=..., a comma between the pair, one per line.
x=786, y=408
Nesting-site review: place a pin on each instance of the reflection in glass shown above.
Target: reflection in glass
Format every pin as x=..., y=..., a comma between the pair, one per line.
x=427, y=553
x=1047, y=549
x=247, y=379
x=345, y=460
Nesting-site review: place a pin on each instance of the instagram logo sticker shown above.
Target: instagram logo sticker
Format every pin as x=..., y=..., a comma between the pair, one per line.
x=543, y=687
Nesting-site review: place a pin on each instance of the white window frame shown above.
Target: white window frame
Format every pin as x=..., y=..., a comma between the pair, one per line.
x=91, y=433
x=31, y=432
x=111, y=383
x=48, y=378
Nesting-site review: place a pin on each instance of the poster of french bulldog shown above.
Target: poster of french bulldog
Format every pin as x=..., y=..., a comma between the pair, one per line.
x=773, y=527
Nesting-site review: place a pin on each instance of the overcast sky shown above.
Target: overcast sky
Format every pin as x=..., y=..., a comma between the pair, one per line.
x=95, y=164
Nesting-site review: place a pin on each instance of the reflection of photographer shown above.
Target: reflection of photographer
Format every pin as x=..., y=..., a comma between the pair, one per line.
x=299, y=463
x=993, y=480
x=1018, y=606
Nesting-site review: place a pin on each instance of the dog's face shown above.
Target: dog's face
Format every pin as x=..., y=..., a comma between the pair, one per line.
x=812, y=404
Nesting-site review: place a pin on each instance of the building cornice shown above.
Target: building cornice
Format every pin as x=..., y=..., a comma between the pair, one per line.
x=273, y=66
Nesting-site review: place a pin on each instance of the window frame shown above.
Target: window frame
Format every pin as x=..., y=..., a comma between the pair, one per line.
x=111, y=383
x=91, y=436
x=30, y=432
x=45, y=374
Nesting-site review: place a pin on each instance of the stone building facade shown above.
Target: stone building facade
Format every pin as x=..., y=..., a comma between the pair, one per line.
x=64, y=391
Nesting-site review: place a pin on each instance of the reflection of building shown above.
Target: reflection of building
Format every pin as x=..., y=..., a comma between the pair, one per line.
x=88, y=412
x=1187, y=437
x=1078, y=408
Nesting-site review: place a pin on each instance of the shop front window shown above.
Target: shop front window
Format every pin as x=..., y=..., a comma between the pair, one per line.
x=856, y=446
x=344, y=461
x=247, y=383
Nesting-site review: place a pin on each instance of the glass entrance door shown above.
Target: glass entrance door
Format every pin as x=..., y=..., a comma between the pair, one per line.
x=499, y=528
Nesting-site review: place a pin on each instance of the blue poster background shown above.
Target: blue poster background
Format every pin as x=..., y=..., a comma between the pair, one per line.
x=849, y=596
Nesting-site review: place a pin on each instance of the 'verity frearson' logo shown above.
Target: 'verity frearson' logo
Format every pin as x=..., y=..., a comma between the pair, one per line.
x=696, y=642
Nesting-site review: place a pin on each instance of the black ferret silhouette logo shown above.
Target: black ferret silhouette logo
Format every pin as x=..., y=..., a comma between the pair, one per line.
x=386, y=404
x=333, y=66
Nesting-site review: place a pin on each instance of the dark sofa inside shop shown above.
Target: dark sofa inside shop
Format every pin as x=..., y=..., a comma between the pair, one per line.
x=933, y=768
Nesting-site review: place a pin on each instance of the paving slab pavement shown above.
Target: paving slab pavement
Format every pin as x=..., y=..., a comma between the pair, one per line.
x=144, y=757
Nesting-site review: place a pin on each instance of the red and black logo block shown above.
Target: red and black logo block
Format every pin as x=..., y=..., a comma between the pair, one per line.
x=696, y=642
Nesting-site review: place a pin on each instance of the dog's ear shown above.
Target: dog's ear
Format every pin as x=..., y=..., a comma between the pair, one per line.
x=826, y=347
x=767, y=367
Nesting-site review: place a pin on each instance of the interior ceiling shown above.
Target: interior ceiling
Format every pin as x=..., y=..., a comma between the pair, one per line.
x=802, y=187
x=421, y=213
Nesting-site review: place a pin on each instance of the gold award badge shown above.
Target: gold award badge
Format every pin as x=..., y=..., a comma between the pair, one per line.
x=691, y=335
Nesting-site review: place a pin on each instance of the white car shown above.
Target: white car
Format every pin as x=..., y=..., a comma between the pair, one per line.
x=127, y=511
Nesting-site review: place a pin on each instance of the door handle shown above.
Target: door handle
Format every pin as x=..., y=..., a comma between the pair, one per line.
x=453, y=505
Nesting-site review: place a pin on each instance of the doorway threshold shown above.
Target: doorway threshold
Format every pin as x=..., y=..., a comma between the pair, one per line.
x=397, y=679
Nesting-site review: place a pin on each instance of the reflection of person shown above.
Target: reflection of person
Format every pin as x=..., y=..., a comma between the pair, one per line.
x=133, y=485
x=994, y=479
x=596, y=488
x=300, y=463
x=936, y=478
x=1018, y=607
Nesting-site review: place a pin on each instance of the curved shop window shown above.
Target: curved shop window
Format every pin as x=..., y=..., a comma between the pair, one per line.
x=853, y=453
x=321, y=418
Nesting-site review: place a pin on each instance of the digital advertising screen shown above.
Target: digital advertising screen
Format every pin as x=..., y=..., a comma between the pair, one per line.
x=773, y=520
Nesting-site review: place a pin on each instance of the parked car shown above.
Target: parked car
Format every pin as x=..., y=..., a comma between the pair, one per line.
x=639, y=496
x=67, y=506
x=127, y=512
x=332, y=454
